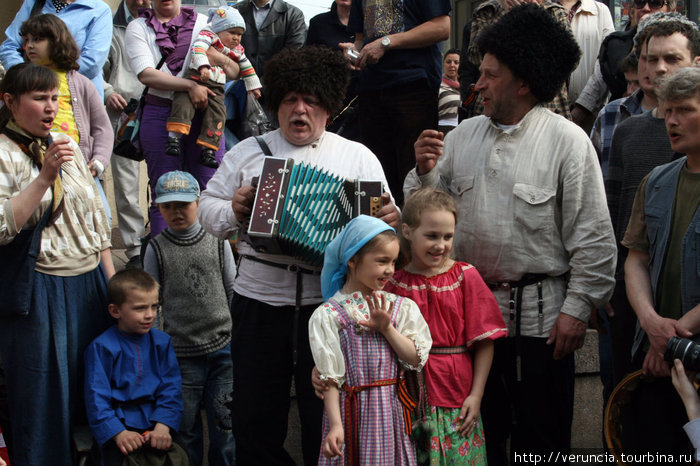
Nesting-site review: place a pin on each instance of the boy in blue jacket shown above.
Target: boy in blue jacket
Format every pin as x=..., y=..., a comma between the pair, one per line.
x=132, y=383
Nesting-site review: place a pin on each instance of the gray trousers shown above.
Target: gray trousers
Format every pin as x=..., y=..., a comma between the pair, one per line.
x=125, y=173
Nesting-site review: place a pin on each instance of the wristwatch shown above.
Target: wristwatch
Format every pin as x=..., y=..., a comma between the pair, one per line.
x=386, y=42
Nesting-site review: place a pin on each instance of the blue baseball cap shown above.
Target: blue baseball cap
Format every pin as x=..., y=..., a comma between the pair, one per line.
x=176, y=186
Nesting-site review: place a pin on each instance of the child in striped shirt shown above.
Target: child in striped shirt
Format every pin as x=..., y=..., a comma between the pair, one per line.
x=223, y=32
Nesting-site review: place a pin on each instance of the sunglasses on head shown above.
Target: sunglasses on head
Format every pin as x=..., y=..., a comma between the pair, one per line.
x=653, y=4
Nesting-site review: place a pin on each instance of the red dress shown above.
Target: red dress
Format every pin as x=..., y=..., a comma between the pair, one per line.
x=460, y=311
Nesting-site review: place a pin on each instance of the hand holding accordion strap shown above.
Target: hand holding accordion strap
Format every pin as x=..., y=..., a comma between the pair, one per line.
x=126, y=143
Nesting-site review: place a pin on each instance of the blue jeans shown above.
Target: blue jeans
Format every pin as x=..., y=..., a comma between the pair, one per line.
x=207, y=381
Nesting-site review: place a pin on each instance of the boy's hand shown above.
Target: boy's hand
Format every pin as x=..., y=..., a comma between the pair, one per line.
x=256, y=93
x=159, y=437
x=204, y=74
x=128, y=441
x=333, y=443
x=379, y=312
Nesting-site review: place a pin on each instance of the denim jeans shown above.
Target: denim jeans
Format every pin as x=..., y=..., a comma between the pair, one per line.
x=207, y=381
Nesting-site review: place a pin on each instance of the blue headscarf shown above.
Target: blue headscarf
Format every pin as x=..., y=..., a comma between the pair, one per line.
x=356, y=234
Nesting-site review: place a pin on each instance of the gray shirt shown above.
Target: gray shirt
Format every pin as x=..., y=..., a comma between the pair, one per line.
x=530, y=201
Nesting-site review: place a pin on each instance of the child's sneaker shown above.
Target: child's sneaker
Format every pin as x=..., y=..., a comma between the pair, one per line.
x=208, y=158
x=172, y=147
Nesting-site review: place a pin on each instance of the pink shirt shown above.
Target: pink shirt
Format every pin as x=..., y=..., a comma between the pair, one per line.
x=460, y=311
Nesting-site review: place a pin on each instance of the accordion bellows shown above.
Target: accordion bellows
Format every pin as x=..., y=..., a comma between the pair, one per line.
x=300, y=208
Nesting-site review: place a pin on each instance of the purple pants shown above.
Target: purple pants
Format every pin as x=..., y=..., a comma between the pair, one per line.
x=153, y=139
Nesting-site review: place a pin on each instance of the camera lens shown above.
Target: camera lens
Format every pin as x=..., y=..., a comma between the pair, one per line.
x=684, y=349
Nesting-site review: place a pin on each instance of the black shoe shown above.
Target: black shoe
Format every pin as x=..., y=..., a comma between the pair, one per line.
x=172, y=147
x=208, y=158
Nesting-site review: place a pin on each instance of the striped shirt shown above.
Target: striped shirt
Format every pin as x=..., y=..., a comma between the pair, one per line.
x=448, y=103
x=208, y=38
x=71, y=245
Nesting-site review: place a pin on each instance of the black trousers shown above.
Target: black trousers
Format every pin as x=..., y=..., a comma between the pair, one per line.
x=391, y=120
x=261, y=348
x=535, y=412
x=622, y=328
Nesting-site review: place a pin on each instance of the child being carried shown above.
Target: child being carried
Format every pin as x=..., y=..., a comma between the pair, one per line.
x=223, y=32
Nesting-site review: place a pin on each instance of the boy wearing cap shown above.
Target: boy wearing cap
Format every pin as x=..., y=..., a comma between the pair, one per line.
x=223, y=32
x=195, y=271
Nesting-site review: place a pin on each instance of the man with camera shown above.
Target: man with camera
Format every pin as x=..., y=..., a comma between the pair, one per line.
x=661, y=271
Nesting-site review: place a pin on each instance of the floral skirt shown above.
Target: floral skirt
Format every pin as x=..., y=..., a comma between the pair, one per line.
x=438, y=442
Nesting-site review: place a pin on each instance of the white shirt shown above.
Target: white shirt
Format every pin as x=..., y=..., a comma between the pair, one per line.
x=530, y=201
x=692, y=429
x=142, y=51
x=592, y=22
x=324, y=329
x=273, y=285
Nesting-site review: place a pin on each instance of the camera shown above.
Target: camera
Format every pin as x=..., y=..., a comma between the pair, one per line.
x=684, y=349
x=352, y=54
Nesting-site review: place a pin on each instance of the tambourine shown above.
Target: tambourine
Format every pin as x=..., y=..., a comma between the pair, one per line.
x=613, y=411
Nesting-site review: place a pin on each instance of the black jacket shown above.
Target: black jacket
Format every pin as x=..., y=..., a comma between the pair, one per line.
x=283, y=27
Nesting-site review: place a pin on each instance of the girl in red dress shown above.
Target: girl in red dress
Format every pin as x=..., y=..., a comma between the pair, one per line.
x=463, y=318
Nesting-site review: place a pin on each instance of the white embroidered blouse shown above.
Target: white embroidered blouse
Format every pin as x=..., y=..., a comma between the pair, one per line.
x=325, y=340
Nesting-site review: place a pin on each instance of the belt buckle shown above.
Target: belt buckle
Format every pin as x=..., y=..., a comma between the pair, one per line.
x=293, y=268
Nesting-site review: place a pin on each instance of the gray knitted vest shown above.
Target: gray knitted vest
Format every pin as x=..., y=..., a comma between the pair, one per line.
x=195, y=309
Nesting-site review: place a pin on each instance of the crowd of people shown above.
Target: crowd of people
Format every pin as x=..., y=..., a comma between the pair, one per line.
x=439, y=330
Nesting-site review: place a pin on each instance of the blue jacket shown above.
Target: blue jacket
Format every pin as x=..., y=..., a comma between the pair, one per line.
x=90, y=23
x=131, y=380
x=660, y=196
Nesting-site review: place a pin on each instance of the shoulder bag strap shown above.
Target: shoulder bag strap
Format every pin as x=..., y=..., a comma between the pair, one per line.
x=145, y=89
x=37, y=7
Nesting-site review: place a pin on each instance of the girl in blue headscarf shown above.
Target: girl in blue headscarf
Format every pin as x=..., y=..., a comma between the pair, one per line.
x=359, y=337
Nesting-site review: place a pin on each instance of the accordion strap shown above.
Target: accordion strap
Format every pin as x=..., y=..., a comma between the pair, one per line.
x=263, y=145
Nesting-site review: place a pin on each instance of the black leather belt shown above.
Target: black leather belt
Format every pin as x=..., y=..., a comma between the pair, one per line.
x=288, y=267
x=516, y=307
x=526, y=280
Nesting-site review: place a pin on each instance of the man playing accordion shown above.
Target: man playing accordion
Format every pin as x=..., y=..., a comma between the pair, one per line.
x=275, y=294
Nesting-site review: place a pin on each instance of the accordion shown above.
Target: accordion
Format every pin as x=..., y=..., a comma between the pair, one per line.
x=299, y=208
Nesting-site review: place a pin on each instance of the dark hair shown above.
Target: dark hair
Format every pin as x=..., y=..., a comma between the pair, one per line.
x=670, y=27
x=451, y=51
x=28, y=77
x=629, y=63
x=315, y=70
x=63, y=51
x=420, y=201
x=22, y=79
x=534, y=46
x=126, y=281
